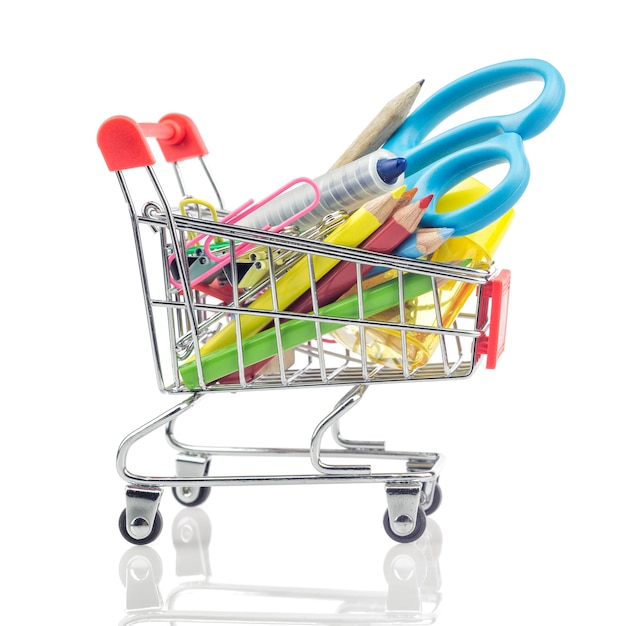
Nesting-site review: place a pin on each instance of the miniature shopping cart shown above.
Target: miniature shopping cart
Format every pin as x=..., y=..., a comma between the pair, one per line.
x=186, y=308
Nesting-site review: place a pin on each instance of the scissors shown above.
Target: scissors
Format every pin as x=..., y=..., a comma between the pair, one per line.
x=439, y=163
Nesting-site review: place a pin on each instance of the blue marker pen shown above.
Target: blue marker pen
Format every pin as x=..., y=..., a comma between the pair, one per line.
x=346, y=188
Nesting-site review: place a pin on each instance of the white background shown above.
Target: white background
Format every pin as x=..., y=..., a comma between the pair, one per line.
x=532, y=523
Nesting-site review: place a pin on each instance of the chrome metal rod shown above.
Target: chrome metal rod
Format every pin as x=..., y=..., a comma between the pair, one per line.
x=341, y=408
x=139, y=433
x=277, y=479
x=310, y=246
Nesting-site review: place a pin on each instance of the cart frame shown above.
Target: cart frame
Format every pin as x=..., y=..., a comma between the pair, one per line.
x=412, y=492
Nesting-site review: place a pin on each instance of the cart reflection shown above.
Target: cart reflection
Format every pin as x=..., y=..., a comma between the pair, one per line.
x=411, y=571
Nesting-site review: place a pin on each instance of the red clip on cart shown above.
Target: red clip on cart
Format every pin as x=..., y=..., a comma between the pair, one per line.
x=202, y=273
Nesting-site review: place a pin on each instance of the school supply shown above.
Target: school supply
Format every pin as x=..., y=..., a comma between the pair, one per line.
x=424, y=242
x=436, y=165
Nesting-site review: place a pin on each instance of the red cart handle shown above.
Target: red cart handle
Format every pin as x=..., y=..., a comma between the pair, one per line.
x=123, y=144
x=497, y=290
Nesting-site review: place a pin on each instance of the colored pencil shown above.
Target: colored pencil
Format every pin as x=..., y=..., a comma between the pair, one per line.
x=427, y=240
x=423, y=243
x=386, y=122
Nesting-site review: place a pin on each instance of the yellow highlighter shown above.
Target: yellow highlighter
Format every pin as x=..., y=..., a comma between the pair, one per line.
x=384, y=346
x=360, y=225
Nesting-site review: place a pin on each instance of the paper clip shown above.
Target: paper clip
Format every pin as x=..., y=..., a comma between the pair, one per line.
x=189, y=200
x=218, y=261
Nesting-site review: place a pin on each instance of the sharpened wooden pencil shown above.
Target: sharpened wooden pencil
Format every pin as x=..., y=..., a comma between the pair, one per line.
x=421, y=244
x=427, y=240
x=386, y=122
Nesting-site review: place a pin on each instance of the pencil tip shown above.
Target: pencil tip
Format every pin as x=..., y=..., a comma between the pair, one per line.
x=425, y=201
x=396, y=194
x=420, y=82
x=410, y=193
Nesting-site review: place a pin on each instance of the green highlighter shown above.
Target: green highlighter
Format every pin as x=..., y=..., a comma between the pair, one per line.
x=293, y=333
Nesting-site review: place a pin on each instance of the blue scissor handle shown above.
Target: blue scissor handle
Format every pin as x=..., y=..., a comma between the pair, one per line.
x=444, y=174
x=408, y=140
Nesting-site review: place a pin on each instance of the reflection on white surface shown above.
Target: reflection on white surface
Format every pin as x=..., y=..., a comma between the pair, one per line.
x=411, y=571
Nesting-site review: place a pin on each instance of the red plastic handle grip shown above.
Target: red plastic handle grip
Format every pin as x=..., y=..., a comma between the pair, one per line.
x=497, y=290
x=123, y=143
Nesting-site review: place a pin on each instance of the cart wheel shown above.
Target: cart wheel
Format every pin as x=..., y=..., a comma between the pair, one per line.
x=418, y=531
x=154, y=533
x=434, y=505
x=186, y=496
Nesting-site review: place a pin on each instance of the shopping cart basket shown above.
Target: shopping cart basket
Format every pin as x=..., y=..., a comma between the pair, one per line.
x=186, y=308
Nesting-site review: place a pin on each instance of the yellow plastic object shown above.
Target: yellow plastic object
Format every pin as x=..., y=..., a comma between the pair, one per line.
x=384, y=346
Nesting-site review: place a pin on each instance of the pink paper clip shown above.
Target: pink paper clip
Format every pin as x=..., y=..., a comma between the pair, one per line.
x=236, y=215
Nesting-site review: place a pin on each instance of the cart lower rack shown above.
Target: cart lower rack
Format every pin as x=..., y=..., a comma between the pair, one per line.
x=219, y=320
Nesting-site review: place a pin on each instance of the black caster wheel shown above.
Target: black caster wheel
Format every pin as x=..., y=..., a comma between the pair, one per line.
x=418, y=531
x=154, y=533
x=434, y=505
x=184, y=496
